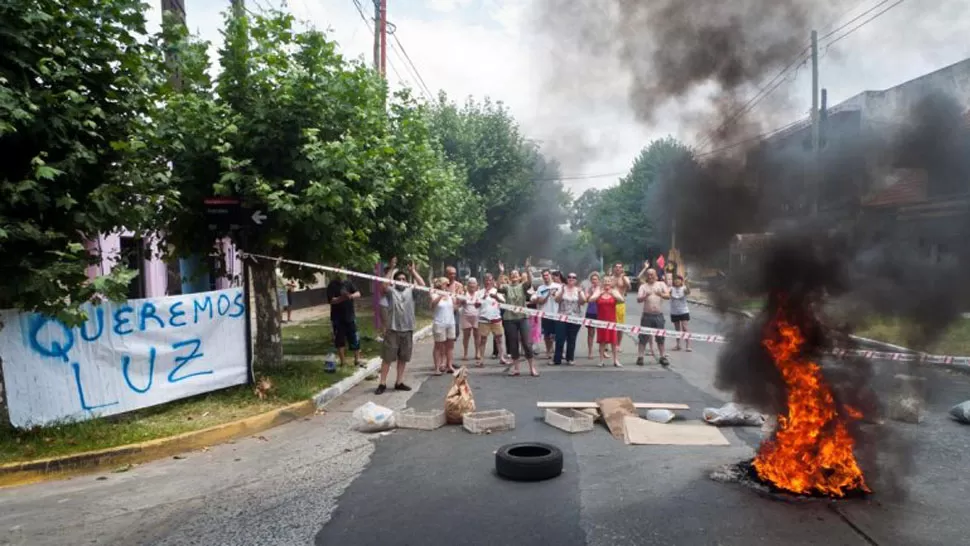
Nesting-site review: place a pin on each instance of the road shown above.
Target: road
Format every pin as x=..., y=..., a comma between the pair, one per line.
x=315, y=482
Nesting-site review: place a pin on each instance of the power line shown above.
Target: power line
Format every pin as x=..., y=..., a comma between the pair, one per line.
x=856, y=18
x=763, y=93
x=411, y=74
x=800, y=58
x=400, y=46
x=862, y=24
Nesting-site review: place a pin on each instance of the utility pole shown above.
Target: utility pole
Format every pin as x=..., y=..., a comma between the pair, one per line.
x=380, y=37
x=815, y=182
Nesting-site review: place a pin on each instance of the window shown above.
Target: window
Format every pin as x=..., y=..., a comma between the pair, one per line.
x=133, y=256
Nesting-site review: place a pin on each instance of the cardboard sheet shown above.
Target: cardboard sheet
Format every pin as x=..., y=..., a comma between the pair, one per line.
x=639, y=431
x=614, y=410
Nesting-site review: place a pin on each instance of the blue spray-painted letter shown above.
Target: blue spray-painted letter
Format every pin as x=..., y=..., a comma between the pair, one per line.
x=126, y=363
x=181, y=361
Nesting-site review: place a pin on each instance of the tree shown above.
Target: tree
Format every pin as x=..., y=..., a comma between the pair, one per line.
x=484, y=141
x=631, y=220
x=294, y=129
x=582, y=207
x=76, y=84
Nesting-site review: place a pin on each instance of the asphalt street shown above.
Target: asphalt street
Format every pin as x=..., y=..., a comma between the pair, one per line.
x=316, y=482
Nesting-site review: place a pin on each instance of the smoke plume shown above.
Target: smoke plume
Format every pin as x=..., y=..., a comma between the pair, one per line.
x=703, y=60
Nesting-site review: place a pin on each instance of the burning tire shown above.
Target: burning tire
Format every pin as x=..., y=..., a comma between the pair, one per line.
x=528, y=462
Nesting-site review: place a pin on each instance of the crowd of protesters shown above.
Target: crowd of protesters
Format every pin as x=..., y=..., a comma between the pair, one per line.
x=472, y=312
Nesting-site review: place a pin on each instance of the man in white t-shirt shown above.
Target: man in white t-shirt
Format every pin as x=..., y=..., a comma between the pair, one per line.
x=545, y=299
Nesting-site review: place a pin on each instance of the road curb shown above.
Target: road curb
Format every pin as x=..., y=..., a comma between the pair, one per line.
x=53, y=468
x=56, y=468
x=338, y=389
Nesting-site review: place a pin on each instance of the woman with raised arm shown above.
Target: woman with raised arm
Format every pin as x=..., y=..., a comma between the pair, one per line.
x=470, y=304
x=570, y=299
x=594, y=284
x=443, y=327
x=515, y=288
x=606, y=298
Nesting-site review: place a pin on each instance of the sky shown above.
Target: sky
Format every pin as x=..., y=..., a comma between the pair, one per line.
x=490, y=48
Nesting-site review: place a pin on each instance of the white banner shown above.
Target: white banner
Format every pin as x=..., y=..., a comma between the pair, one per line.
x=126, y=356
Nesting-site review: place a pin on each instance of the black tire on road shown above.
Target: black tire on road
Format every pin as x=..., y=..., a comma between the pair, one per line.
x=528, y=461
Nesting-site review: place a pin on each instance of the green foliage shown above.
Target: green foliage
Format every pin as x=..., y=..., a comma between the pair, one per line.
x=298, y=131
x=483, y=140
x=631, y=221
x=76, y=83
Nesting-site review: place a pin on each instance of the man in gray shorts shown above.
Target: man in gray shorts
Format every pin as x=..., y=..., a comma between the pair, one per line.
x=651, y=294
x=399, y=336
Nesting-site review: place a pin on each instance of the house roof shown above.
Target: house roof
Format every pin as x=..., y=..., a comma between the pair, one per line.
x=906, y=187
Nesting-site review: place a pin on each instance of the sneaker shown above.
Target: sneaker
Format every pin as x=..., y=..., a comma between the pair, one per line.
x=639, y=361
x=380, y=389
x=617, y=365
x=664, y=361
x=401, y=387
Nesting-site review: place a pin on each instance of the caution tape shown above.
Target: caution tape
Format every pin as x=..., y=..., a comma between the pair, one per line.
x=948, y=360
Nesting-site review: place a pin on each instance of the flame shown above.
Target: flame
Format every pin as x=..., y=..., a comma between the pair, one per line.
x=811, y=451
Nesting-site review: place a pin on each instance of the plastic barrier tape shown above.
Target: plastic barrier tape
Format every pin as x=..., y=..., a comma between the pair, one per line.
x=633, y=329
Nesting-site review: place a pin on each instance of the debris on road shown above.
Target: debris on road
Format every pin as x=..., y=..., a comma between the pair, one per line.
x=421, y=420
x=124, y=468
x=371, y=417
x=595, y=405
x=459, y=399
x=528, y=462
x=961, y=412
x=733, y=415
x=487, y=422
x=614, y=411
x=907, y=405
x=637, y=431
x=660, y=416
x=569, y=420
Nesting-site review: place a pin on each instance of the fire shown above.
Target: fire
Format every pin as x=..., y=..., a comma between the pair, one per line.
x=811, y=451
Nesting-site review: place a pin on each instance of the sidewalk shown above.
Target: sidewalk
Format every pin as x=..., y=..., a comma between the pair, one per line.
x=287, y=479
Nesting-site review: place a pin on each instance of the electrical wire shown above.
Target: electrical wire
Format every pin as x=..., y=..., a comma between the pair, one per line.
x=862, y=24
x=856, y=18
x=424, y=86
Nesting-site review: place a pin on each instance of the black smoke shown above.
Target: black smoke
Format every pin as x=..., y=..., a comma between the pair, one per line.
x=831, y=260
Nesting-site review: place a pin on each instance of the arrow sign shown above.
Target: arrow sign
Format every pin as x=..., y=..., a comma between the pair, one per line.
x=258, y=217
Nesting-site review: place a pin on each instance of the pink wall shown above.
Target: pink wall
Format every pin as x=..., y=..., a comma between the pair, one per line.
x=155, y=270
x=155, y=277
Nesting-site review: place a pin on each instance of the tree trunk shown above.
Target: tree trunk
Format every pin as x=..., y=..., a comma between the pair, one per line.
x=4, y=414
x=268, y=350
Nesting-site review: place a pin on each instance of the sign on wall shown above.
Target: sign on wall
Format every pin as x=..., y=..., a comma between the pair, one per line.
x=127, y=355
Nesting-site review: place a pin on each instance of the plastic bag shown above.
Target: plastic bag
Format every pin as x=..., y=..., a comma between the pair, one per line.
x=459, y=399
x=733, y=415
x=660, y=415
x=372, y=418
x=961, y=412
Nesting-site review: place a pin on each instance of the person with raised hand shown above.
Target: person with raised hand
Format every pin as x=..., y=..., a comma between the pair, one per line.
x=399, y=337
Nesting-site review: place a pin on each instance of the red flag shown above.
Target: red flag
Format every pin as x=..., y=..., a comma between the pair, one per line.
x=660, y=261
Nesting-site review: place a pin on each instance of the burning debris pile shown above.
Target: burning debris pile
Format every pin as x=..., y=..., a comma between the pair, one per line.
x=811, y=451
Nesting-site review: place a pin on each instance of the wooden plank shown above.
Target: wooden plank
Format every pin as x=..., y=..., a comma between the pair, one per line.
x=587, y=405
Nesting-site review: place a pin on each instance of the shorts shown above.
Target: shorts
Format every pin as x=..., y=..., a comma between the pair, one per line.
x=283, y=297
x=680, y=318
x=443, y=332
x=398, y=346
x=494, y=328
x=652, y=321
x=548, y=327
x=469, y=322
x=345, y=331
x=591, y=316
x=620, y=313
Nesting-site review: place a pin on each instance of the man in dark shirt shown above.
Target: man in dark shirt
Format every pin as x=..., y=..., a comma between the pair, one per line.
x=341, y=294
